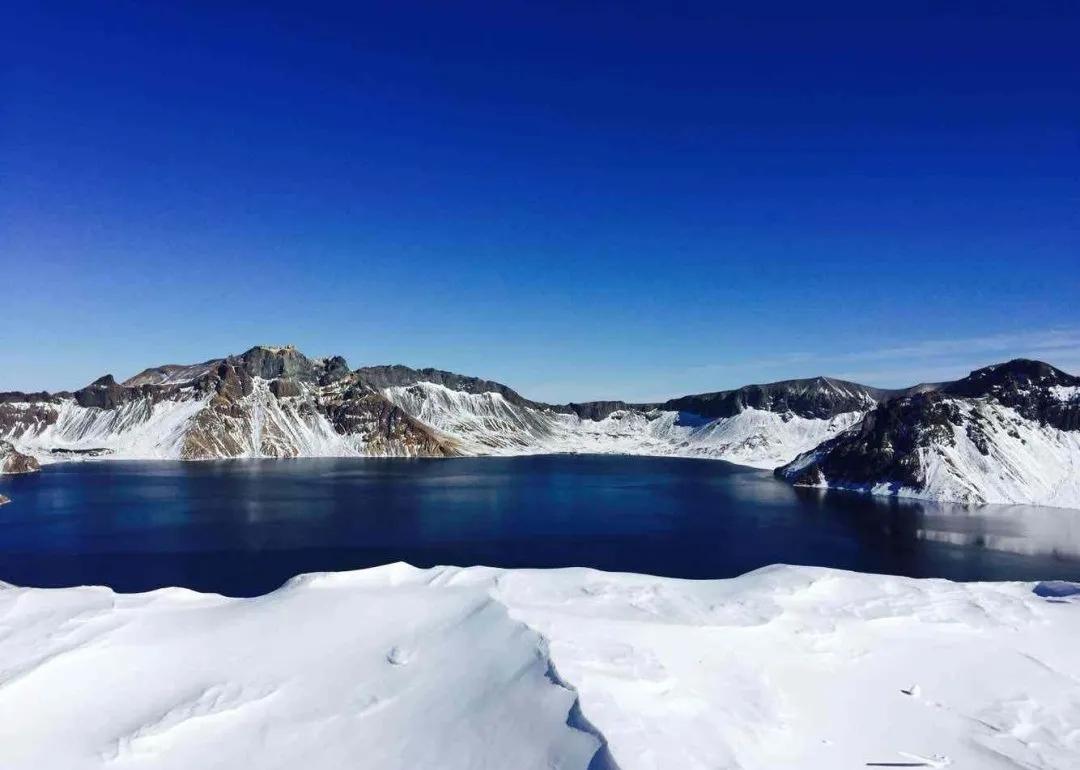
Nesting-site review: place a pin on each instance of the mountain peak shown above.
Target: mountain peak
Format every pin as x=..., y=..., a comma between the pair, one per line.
x=269, y=362
x=1017, y=374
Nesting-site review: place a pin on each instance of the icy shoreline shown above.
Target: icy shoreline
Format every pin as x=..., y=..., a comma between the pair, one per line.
x=398, y=667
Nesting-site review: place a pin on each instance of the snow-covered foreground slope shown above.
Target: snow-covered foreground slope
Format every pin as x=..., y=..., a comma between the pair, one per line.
x=488, y=423
x=397, y=667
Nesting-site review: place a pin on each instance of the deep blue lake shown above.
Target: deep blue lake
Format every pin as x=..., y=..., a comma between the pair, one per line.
x=243, y=527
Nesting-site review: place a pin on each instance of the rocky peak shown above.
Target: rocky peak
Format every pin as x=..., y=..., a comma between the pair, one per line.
x=329, y=370
x=103, y=393
x=269, y=363
x=1032, y=388
x=1020, y=374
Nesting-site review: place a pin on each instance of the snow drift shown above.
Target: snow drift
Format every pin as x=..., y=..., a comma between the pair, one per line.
x=397, y=667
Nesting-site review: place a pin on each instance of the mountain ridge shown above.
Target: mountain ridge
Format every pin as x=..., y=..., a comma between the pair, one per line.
x=1006, y=433
x=952, y=440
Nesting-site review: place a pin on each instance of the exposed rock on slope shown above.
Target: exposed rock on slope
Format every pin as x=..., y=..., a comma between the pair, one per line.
x=1004, y=434
x=268, y=402
x=13, y=461
x=817, y=398
x=497, y=422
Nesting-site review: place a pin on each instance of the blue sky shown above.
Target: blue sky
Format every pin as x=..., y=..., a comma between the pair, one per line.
x=581, y=200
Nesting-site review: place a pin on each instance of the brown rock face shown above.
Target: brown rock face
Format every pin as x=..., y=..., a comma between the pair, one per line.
x=385, y=428
x=13, y=461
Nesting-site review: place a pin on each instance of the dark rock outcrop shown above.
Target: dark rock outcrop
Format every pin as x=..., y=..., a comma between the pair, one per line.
x=1029, y=387
x=598, y=410
x=285, y=387
x=270, y=363
x=885, y=447
x=819, y=397
x=331, y=370
x=102, y=393
x=42, y=396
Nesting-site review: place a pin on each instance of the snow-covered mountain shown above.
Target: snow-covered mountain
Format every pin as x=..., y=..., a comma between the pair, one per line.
x=1004, y=434
x=268, y=402
x=276, y=402
x=1009, y=433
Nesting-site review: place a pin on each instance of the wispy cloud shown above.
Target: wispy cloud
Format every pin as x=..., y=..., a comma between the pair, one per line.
x=930, y=360
x=922, y=361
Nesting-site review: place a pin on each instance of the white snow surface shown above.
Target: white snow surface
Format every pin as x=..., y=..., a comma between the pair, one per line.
x=488, y=424
x=397, y=667
x=1066, y=392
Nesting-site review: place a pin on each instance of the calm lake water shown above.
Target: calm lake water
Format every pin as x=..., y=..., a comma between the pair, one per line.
x=243, y=527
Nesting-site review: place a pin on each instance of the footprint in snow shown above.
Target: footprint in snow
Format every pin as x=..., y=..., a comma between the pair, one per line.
x=397, y=656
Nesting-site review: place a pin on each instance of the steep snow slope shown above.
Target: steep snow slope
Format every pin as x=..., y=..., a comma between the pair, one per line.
x=488, y=423
x=1006, y=459
x=138, y=429
x=1004, y=434
x=397, y=667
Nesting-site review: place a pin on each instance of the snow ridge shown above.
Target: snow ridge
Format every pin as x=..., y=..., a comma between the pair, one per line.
x=570, y=668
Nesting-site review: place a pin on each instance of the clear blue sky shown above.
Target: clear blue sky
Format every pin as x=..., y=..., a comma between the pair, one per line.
x=583, y=200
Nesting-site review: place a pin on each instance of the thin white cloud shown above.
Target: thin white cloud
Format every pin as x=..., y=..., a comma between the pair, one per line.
x=933, y=360
x=923, y=361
